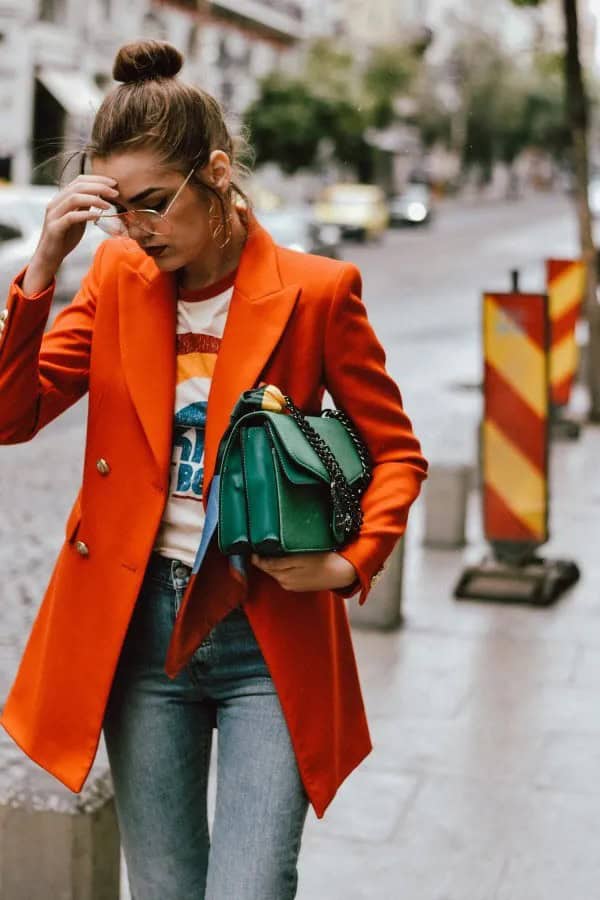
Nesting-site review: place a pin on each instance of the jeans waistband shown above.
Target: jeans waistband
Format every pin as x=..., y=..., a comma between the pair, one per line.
x=165, y=568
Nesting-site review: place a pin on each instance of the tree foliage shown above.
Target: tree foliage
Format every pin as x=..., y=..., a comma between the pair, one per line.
x=286, y=123
x=390, y=73
x=336, y=98
x=503, y=103
x=289, y=121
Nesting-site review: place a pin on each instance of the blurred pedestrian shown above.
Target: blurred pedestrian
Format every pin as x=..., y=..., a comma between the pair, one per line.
x=189, y=304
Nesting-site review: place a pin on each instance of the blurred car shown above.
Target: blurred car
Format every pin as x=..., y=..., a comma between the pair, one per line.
x=359, y=210
x=413, y=206
x=294, y=227
x=22, y=210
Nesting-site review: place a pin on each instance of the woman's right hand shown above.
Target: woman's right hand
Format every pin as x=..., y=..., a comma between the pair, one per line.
x=64, y=226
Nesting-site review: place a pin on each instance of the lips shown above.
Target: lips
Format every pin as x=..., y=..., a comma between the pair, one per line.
x=156, y=250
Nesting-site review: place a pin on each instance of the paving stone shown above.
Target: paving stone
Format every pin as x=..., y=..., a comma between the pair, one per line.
x=371, y=810
x=461, y=747
x=570, y=762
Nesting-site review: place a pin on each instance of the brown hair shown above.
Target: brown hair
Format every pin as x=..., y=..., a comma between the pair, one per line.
x=154, y=109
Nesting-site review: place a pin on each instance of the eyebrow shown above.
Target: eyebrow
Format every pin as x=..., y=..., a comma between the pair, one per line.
x=143, y=194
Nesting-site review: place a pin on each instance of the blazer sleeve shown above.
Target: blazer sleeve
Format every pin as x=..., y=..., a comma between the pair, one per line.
x=357, y=379
x=41, y=375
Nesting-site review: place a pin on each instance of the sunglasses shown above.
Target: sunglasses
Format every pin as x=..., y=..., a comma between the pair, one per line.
x=148, y=221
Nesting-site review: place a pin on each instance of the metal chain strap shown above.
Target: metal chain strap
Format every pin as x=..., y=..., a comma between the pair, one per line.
x=345, y=497
x=359, y=444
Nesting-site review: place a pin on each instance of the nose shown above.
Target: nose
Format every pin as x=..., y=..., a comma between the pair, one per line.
x=138, y=233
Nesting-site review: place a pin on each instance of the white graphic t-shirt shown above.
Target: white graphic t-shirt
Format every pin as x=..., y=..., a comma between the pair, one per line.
x=201, y=316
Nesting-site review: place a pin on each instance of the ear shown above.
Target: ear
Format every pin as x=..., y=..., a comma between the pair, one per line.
x=218, y=171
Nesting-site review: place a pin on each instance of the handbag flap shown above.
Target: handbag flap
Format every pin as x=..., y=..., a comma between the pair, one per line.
x=298, y=459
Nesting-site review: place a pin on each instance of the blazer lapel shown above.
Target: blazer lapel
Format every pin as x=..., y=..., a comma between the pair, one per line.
x=260, y=308
x=147, y=324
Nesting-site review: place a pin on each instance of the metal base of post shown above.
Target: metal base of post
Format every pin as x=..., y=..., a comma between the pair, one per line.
x=536, y=582
x=383, y=608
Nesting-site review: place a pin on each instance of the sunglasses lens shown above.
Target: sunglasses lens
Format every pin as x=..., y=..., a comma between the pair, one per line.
x=148, y=221
x=109, y=222
x=115, y=223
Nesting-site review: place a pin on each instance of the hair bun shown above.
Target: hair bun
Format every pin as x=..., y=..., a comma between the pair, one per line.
x=145, y=60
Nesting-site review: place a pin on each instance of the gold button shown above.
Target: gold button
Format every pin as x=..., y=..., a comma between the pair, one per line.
x=376, y=577
x=82, y=548
x=102, y=466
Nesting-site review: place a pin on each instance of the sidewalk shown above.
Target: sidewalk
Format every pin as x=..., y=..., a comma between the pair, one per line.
x=484, y=781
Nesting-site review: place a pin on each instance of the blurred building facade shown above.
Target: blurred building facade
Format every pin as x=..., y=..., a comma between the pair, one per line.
x=382, y=21
x=385, y=21
x=57, y=55
x=57, y=59
x=325, y=19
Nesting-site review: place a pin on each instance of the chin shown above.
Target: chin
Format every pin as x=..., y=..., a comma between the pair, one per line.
x=166, y=265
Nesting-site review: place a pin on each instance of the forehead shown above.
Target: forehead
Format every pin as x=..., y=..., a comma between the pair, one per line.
x=134, y=171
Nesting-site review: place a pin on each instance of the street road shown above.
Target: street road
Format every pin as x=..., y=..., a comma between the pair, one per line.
x=422, y=288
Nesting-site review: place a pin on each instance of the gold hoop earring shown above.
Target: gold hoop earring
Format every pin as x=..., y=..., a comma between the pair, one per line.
x=220, y=225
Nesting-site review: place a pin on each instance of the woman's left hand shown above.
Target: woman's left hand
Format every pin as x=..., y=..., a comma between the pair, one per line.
x=308, y=571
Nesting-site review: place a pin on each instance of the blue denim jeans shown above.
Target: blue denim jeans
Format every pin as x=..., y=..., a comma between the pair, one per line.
x=158, y=734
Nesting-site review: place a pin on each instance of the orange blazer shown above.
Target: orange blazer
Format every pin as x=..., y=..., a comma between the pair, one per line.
x=296, y=321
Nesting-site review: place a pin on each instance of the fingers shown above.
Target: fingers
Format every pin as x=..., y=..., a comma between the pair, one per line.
x=80, y=215
x=90, y=177
x=60, y=223
x=79, y=201
x=83, y=194
x=297, y=572
x=74, y=204
x=68, y=212
x=272, y=564
x=86, y=184
x=90, y=184
x=283, y=569
x=312, y=571
x=81, y=180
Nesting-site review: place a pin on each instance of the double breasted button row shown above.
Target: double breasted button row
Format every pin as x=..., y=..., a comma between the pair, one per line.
x=104, y=468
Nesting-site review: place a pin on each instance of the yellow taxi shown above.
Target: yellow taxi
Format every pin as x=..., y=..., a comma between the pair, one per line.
x=359, y=210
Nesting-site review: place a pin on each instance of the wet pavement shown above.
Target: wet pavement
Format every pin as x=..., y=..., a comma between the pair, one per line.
x=483, y=782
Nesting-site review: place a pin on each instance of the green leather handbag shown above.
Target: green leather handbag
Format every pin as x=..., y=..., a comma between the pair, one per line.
x=289, y=483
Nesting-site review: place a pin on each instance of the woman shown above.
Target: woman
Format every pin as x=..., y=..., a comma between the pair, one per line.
x=191, y=305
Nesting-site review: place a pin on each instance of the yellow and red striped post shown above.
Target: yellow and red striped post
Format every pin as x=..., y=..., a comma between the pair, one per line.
x=514, y=456
x=515, y=426
x=565, y=280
